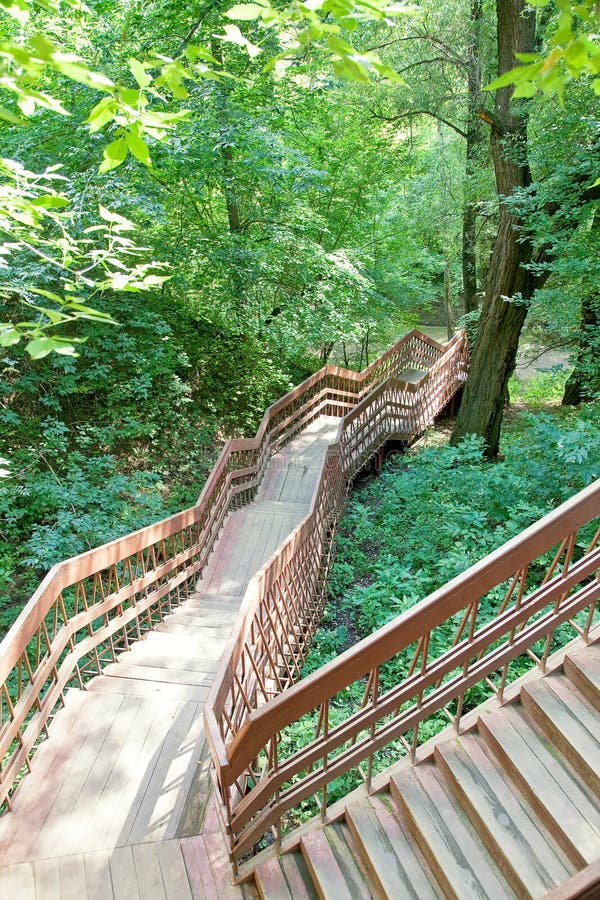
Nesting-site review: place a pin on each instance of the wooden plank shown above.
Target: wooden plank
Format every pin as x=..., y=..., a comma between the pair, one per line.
x=445, y=836
x=153, y=659
x=132, y=769
x=40, y=835
x=18, y=883
x=72, y=877
x=148, y=872
x=573, y=726
x=193, y=817
x=512, y=832
x=32, y=800
x=66, y=828
x=124, y=875
x=47, y=879
x=323, y=866
x=218, y=633
x=174, y=874
x=148, y=689
x=271, y=882
x=349, y=859
x=199, y=871
x=387, y=852
x=548, y=786
x=583, y=669
x=97, y=875
x=297, y=876
x=163, y=674
x=175, y=764
x=221, y=867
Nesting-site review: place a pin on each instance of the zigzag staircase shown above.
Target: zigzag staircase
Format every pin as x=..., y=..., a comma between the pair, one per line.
x=112, y=693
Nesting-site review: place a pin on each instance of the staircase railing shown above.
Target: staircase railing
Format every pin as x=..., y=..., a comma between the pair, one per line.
x=283, y=603
x=90, y=607
x=463, y=642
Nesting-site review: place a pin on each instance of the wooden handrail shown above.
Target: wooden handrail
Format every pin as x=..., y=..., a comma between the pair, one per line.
x=92, y=606
x=539, y=580
x=408, y=627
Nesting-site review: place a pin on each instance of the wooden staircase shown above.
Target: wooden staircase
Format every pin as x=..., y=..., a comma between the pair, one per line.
x=510, y=808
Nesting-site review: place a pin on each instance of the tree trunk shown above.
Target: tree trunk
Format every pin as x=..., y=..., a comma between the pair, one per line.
x=510, y=286
x=473, y=143
x=584, y=381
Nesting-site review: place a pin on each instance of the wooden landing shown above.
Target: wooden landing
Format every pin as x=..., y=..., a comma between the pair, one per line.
x=118, y=802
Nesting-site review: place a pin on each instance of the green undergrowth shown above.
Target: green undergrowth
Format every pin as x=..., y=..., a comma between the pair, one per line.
x=433, y=512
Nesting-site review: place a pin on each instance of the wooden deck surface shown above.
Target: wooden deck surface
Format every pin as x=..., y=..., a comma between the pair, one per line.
x=118, y=804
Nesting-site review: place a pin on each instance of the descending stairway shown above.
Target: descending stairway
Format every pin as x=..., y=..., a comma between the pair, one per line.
x=509, y=809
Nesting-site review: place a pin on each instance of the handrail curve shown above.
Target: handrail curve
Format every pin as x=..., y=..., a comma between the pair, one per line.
x=92, y=606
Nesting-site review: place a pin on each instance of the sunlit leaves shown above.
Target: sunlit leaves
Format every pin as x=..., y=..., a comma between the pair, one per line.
x=573, y=52
x=319, y=22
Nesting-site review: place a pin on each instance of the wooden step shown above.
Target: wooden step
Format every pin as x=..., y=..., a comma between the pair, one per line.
x=104, y=684
x=202, y=617
x=552, y=789
x=334, y=872
x=572, y=724
x=446, y=837
x=284, y=877
x=530, y=859
x=192, y=628
x=387, y=851
x=159, y=674
x=200, y=600
x=143, y=655
x=583, y=669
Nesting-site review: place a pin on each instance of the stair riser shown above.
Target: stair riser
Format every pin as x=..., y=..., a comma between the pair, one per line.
x=561, y=837
x=582, y=681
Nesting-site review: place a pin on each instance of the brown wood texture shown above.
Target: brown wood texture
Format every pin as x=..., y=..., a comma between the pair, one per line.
x=492, y=645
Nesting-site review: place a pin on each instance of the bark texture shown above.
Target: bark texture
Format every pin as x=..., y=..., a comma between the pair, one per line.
x=510, y=286
x=474, y=140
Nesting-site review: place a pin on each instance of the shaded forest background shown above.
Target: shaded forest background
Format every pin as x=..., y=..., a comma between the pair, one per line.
x=290, y=209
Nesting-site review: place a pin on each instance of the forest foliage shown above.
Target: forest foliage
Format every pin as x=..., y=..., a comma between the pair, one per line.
x=202, y=204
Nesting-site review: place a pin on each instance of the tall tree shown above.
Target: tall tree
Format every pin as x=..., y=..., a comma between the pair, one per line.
x=510, y=283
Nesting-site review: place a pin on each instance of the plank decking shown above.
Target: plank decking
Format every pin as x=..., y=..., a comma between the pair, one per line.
x=118, y=802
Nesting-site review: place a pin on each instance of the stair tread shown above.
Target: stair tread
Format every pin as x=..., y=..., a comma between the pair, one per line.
x=297, y=876
x=160, y=674
x=387, y=850
x=571, y=721
x=537, y=864
x=462, y=864
x=548, y=784
x=324, y=867
x=271, y=882
x=345, y=850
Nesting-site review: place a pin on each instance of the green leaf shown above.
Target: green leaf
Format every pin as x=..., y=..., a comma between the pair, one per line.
x=139, y=72
x=234, y=36
x=121, y=222
x=114, y=154
x=138, y=147
x=40, y=347
x=50, y=201
x=245, y=12
x=9, y=337
x=8, y=116
x=101, y=114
